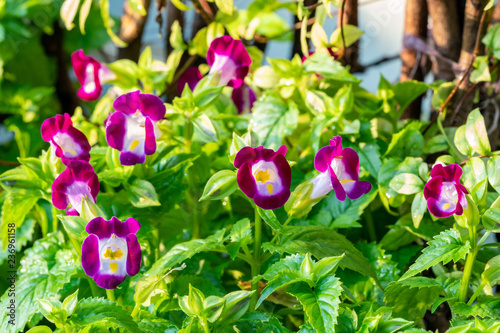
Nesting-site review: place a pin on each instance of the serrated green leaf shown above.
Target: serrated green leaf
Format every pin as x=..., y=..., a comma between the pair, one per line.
x=407, y=142
x=273, y=120
x=407, y=91
x=410, y=298
x=320, y=304
x=220, y=185
x=445, y=247
x=152, y=324
x=183, y=251
x=91, y=311
x=323, y=242
x=475, y=133
x=407, y=183
x=241, y=234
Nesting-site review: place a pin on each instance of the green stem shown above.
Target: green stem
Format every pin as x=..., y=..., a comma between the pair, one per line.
x=454, y=152
x=135, y=311
x=204, y=324
x=469, y=263
x=93, y=287
x=256, y=259
x=369, y=223
x=483, y=239
x=476, y=293
x=55, y=219
x=111, y=294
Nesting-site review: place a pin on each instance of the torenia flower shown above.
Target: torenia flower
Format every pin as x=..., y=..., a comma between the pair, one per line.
x=192, y=76
x=229, y=58
x=243, y=97
x=90, y=73
x=339, y=169
x=264, y=175
x=111, y=251
x=444, y=194
x=132, y=129
x=74, y=183
x=67, y=142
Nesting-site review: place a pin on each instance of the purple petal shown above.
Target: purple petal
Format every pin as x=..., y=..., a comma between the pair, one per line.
x=87, y=72
x=130, y=226
x=128, y=103
x=336, y=142
x=436, y=208
x=246, y=154
x=100, y=227
x=134, y=256
x=337, y=186
x=129, y=158
x=108, y=281
x=355, y=189
x=150, y=141
x=323, y=158
x=246, y=181
x=90, y=255
x=243, y=97
x=152, y=107
x=281, y=150
x=348, y=165
x=191, y=77
x=284, y=171
x=116, y=128
x=433, y=187
x=274, y=201
x=229, y=57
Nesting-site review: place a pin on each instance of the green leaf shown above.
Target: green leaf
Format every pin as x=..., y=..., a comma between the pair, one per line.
x=320, y=304
x=281, y=280
x=40, y=329
x=220, y=185
x=108, y=24
x=325, y=65
x=225, y=6
x=351, y=35
x=343, y=214
x=418, y=209
x=180, y=5
x=407, y=183
x=445, y=247
x=184, y=251
x=137, y=7
x=461, y=142
x=241, y=234
x=407, y=142
x=91, y=311
x=491, y=272
x=14, y=210
x=206, y=96
x=142, y=193
x=273, y=120
x=45, y=269
x=474, y=178
x=70, y=303
x=491, y=219
x=369, y=158
x=436, y=144
x=407, y=91
x=74, y=225
x=475, y=133
x=480, y=309
x=204, y=129
x=68, y=12
x=412, y=297
x=271, y=219
x=343, y=101
x=323, y=242
x=492, y=40
x=481, y=72
x=84, y=13
x=152, y=324
x=494, y=172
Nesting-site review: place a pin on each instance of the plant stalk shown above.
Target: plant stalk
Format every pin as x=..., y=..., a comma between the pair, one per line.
x=111, y=294
x=256, y=259
x=469, y=263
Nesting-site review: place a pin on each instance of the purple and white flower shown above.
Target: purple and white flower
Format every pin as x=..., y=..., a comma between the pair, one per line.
x=91, y=74
x=133, y=129
x=264, y=175
x=229, y=58
x=66, y=142
x=444, y=194
x=191, y=77
x=111, y=251
x=339, y=169
x=77, y=181
x=243, y=97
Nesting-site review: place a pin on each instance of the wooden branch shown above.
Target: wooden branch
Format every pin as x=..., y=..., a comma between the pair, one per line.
x=203, y=8
x=350, y=16
x=131, y=29
x=415, y=24
x=446, y=34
